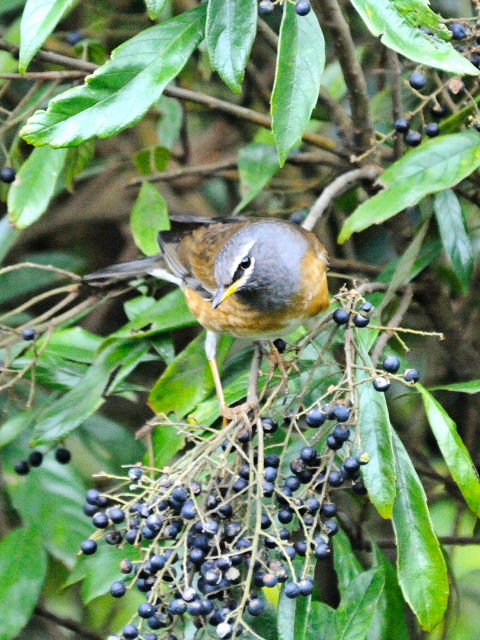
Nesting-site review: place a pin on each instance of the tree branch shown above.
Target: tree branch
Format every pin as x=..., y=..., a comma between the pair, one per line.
x=67, y=623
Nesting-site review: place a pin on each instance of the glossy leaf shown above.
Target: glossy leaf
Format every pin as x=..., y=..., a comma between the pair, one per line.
x=149, y=216
x=119, y=93
x=78, y=159
x=469, y=386
x=454, y=452
x=454, y=236
x=437, y=164
x=398, y=30
x=188, y=380
x=73, y=408
x=229, y=33
x=170, y=123
x=357, y=608
x=376, y=437
x=321, y=622
x=422, y=571
x=257, y=164
x=292, y=617
x=389, y=620
x=23, y=567
x=300, y=63
x=39, y=19
x=166, y=443
x=49, y=498
x=155, y=8
x=34, y=186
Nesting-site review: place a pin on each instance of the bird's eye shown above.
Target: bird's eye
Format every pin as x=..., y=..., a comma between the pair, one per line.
x=245, y=263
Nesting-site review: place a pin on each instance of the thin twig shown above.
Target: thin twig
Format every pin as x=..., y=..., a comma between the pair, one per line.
x=67, y=623
x=394, y=321
x=44, y=75
x=341, y=184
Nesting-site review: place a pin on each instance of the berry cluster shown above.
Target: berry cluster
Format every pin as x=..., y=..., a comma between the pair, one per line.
x=266, y=7
x=35, y=459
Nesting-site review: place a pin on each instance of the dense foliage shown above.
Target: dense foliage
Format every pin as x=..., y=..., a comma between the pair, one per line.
x=345, y=506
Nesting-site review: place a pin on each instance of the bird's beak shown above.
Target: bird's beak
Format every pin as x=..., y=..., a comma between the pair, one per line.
x=224, y=292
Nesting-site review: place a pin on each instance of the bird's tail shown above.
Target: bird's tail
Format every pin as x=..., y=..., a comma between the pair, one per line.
x=124, y=270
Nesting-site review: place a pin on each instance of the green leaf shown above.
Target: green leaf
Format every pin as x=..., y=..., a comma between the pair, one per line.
x=376, y=437
x=454, y=236
x=292, y=617
x=119, y=93
x=469, y=386
x=346, y=564
x=257, y=163
x=149, y=216
x=23, y=566
x=357, y=608
x=389, y=621
x=78, y=159
x=155, y=8
x=73, y=408
x=229, y=33
x=454, y=451
x=39, y=19
x=34, y=186
x=170, y=123
x=17, y=424
x=396, y=25
x=300, y=63
x=437, y=164
x=188, y=380
x=50, y=501
x=166, y=443
x=422, y=571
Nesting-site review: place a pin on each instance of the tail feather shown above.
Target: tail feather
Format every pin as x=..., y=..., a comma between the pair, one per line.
x=140, y=267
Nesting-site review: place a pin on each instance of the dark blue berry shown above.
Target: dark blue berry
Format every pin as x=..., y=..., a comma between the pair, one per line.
x=292, y=483
x=391, y=364
x=359, y=488
x=312, y=505
x=341, y=413
x=432, y=129
x=7, y=175
x=130, y=631
x=291, y=590
x=88, y=547
x=367, y=307
x=333, y=443
x=89, y=509
x=331, y=527
x=35, y=459
x=255, y=607
x=180, y=494
x=328, y=509
x=315, y=418
x=340, y=316
x=270, y=474
x=116, y=515
x=402, y=125
x=177, y=607
x=341, y=432
x=411, y=375
x=150, y=534
x=417, y=80
x=351, y=465
x=306, y=586
x=270, y=580
x=63, y=455
x=285, y=516
x=301, y=547
x=146, y=610
x=114, y=537
x=197, y=556
x=92, y=496
x=360, y=321
x=309, y=455
x=413, y=138
x=265, y=521
x=322, y=551
x=335, y=479
x=194, y=608
x=269, y=425
x=265, y=7
x=188, y=510
x=132, y=535
x=74, y=37
x=118, y=589
x=22, y=467
x=158, y=621
x=100, y=520
x=28, y=333
x=157, y=562
x=458, y=30
x=272, y=460
x=381, y=384
x=135, y=473
x=302, y=7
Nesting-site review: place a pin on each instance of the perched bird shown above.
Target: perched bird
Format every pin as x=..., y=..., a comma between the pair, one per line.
x=257, y=278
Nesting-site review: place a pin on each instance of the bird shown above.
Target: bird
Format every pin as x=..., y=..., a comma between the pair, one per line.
x=256, y=278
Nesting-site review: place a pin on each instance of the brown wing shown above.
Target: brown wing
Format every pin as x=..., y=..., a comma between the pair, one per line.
x=191, y=254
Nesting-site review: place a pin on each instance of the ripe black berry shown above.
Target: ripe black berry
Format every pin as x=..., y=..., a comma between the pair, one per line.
x=130, y=632
x=402, y=125
x=302, y=7
x=265, y=7
x=329, y=509
x=413, y=138
x=351, y=465
x=7, y=175
x=438, y=111
x=118, y=589
x=359, y=488
x=92, y=496
x=280, y=345
x=308, y=455
x=89, y=509
x=28, y=333
x=360, y=321
x=63, y=455
x=315, y=418
x=269, y=425
x=391, y=364
x=272, y=460
x=177, y=607
x=116, y=515
x=411, y=375
x=292, y=483
x=270, y=580
x=74, y=37
x=367, y=307
x=270, y=474
x=306, y=586
x=458, y=30
x=135, y=473
x=88, y=547
x=432, y=129
x=35, y=459
x=146, y=610
x=285, y=516
x=189, y=511
x=381, y=384
x=335, y=479
x=417, y=80
x=100, y=520
x=341, y=433
x=22, y=467
x=255, y=607
x=341, y=413
x=333, y=443
x=340, y=316
x=322, y=551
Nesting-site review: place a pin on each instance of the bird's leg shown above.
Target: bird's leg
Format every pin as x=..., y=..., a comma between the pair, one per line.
x=228, y=413
x=276, y=361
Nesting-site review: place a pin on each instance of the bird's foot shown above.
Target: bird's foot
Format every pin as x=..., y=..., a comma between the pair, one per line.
x=277, y=362
x=239, y=413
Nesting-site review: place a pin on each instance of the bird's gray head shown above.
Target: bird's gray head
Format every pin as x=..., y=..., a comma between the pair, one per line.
x=261, y=265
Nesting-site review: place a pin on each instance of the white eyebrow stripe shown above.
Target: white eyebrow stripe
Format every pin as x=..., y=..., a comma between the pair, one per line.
x=244, y=252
